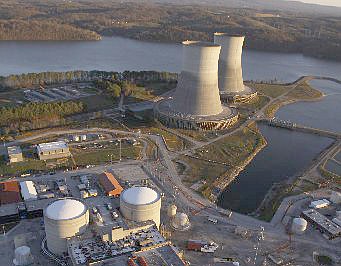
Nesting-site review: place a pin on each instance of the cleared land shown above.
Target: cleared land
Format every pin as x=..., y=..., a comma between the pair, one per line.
x=215, y=162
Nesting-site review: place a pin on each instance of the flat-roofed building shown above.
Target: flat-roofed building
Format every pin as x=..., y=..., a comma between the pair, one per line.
x=109, y=184
x=14, y=154
x=326, y=226
x=53, y=150
x=9, y=192
x=28, y=191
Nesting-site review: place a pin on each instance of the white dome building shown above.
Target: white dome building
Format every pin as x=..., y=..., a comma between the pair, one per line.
x=141, y=204
x=181, y=222
x=299, y=225
x=64, y=218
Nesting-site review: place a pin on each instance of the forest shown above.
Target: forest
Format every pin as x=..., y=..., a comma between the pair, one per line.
x=37, y=115
x=267, y=30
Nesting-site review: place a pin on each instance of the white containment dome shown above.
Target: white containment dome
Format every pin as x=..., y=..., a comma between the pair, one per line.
x=64, y=218
x=299, y=225
x=181, y=222
x=22, y=256
x=141, y=204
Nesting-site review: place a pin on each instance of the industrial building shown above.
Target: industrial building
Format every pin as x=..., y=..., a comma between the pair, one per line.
x=196, y=102
x=109, y=184
x=231, y=83
x=326, y=226
x=53, y=150
x=14, y=154
x=28, y=191
x=9, y=192
x=64, y=218
x=141, y=204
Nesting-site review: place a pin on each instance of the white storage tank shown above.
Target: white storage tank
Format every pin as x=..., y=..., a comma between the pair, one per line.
x=22, y=256
x=171, y=210
x=83, y=137
x=64, y=218
x=299, y=225
x=141, y=204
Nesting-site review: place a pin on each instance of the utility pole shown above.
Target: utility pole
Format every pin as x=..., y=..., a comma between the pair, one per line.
x=120, y=149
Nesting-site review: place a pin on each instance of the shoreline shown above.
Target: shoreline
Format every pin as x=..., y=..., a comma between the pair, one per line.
x=233, y=174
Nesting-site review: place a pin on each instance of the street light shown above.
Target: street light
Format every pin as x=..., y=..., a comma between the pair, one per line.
x=120, y=149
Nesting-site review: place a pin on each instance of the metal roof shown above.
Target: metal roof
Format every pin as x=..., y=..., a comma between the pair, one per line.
x=51, y=146
x=13, y=150
x=140, y=195
x=28, y=191
x=64, y=209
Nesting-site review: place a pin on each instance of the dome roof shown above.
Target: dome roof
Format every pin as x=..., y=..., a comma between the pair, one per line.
x=65, y=209
x=139, y=195
x=300, y=221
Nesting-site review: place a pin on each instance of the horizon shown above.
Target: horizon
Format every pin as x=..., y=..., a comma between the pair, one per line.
x=336, y=3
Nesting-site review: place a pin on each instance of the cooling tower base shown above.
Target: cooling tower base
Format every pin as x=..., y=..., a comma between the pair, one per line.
x=164, y=113
x=238, y=97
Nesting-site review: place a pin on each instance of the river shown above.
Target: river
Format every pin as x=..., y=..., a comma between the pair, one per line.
x=287, y=152
x=119, y=54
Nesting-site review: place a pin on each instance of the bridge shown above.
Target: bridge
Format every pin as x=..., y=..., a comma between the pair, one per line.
x=275, y=122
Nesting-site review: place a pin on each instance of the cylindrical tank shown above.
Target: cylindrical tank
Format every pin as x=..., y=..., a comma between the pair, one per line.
x=141, y=204
x=197, y=93
x=64, y=218
x=171, y=211
x=299, y=225
x=83, y=137
x=230, y=62
x=22, y=256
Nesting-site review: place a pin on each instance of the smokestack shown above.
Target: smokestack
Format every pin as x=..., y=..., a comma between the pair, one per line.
x=197, y=92
x=230, y=62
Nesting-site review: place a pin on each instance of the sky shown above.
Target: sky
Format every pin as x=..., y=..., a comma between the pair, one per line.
x=323, y=2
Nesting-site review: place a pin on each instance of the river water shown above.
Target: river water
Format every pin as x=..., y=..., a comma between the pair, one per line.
x=119, y=54
x=287, y=152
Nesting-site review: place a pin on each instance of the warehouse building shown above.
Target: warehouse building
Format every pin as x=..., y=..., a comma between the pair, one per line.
x=109, y=184
x=14, y=154
x=53, y=150
x=326, y=226
x=9, y=192
x=28, y=191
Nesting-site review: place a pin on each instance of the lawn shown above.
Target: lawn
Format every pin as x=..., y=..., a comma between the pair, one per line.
x=101, y=156
x=271, y=90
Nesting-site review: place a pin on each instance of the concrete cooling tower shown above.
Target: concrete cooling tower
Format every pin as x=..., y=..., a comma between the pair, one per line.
x=231, y=84
x=196, y=102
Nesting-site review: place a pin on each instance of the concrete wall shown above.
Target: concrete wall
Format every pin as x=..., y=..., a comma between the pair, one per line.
x=197, y=92
x=140, y=213
x=230, y=62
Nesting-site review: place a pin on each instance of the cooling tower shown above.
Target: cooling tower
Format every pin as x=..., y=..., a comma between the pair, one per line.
x=230, y=62
x=196, y=103
x=197, y=92
x=230, y=67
